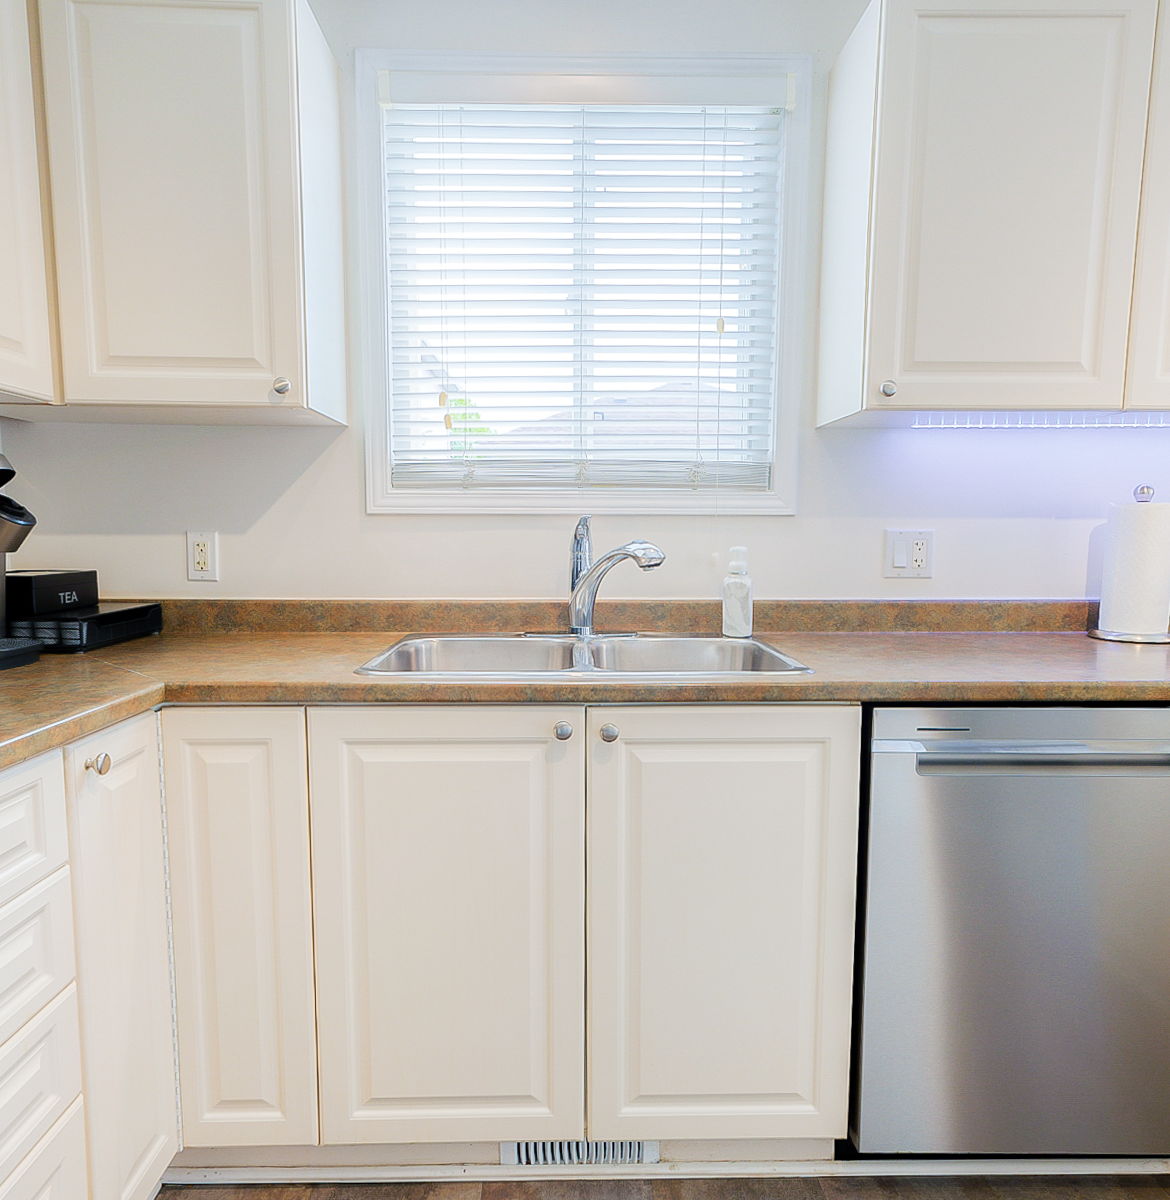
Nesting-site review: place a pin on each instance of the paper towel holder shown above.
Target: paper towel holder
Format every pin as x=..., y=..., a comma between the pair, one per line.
x=1143, y=494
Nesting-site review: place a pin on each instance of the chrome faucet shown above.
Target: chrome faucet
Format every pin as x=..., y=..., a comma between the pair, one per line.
x=582, y=554
x=645, y=554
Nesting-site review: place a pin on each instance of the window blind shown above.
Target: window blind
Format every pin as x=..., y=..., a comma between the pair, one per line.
x=582, y=295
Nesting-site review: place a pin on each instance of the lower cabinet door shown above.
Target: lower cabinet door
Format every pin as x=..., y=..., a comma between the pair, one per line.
x=448, y=864
x=238, y=828
x=40, y=1077
x=123, y=968
x=55, y=1168
x=33, y=840
x=722, y=860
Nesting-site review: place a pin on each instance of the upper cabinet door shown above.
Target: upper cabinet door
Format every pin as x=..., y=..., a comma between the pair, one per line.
x=174, y=156
x=1006, y=201
x=448, y=883
x=26, y=357
x=1006, y=157
x=1148, y=377
x=722, y=863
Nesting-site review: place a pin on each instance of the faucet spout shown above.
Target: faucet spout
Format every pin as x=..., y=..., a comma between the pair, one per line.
x=581, y=558
x=581, y=604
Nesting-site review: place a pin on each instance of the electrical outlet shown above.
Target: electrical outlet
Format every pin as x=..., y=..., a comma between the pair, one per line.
x=909, y=554
x=203, y=556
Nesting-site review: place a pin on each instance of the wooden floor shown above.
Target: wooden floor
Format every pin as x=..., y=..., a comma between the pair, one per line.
x=1064, y=1187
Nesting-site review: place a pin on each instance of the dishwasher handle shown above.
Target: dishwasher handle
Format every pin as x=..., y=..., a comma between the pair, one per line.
x=1017, y=756
x=1012, y=761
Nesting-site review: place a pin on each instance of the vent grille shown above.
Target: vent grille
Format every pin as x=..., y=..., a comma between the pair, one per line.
x=569, y=1154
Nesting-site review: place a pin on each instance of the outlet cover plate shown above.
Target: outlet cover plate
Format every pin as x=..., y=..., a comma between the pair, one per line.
x=203, y=556
x=908, y=554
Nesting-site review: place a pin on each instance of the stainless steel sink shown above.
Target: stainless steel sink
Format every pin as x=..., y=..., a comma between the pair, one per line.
x=529, y=656
x=663, y=654
x=507, y=654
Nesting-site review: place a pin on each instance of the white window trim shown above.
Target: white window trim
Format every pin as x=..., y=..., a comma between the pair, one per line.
x=793, y=306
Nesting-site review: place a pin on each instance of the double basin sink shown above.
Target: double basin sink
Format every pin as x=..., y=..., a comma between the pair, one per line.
x=557, y=656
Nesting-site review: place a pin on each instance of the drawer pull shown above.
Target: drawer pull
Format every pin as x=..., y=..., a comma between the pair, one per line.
x=100, y=763
x=610, y=733
x=562, y=731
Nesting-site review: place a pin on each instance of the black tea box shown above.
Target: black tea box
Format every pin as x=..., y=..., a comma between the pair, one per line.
x=34, y=593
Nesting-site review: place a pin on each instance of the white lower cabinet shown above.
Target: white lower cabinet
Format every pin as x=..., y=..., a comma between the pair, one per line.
x=238, y=829
x=40, y=1076
x=467, y=861
x=722, y=863
x=449, y=852
x=36, y=950
x=123, y=969
x=55, y=1168
x=42, y=1142
x=33, y=841
x=449, y=875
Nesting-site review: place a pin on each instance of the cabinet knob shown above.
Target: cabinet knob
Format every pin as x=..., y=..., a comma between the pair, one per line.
x=889, y=388
x=562, y=731
x=610, y=733
x=281, y=386
x=100, y=763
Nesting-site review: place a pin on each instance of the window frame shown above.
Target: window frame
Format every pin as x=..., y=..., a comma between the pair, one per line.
x=793, y=74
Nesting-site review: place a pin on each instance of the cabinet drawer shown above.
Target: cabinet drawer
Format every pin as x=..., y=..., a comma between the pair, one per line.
x=40, y=1076
x=55, y=1168
x=36, y=950
x=33, y=842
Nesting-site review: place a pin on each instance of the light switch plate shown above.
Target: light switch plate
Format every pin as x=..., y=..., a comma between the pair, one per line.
x=908, y=554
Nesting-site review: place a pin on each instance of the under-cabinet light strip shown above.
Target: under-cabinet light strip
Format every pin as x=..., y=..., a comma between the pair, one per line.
x=1040, y=420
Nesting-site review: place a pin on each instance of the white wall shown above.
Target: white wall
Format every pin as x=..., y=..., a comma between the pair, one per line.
x=1013, y=511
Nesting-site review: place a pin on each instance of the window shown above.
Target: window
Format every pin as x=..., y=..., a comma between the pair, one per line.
x=582, y=301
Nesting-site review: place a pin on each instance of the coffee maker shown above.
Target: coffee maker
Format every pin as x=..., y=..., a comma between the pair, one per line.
x=16, y=523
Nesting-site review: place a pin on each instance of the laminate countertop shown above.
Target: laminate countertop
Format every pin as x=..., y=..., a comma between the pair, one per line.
x=64, y=697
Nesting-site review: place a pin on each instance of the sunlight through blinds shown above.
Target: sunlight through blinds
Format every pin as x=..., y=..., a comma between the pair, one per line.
x=582, y=295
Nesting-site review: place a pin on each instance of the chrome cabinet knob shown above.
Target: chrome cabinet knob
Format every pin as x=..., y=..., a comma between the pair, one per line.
x=281, y=386
x=562, y=731
x=610, y=733
x=889, y=388
x=100, y=763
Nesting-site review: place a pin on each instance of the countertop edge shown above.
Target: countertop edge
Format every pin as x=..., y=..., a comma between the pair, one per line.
x=79, y=723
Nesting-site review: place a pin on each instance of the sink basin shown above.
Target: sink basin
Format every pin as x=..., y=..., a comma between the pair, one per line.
x=529, y=656
x=512, y=654
x=665, y=655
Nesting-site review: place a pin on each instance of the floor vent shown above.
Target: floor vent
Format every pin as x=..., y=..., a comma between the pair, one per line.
x=569, y=1154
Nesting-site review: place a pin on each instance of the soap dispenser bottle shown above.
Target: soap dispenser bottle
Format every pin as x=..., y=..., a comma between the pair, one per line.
x=737, y=596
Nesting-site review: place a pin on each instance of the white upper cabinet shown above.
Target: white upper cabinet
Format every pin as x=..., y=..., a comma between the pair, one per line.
x=1148, y=379
x=982, y=190
x=26, y=353
x=195, y=167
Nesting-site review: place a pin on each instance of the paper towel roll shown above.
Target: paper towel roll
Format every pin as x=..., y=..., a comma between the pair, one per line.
x=1135, y=579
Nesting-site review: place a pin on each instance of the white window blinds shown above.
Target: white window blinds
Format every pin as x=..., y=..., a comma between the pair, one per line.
x=582, y=295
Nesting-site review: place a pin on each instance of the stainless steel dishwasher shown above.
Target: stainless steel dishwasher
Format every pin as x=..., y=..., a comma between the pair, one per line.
x=1015, y=987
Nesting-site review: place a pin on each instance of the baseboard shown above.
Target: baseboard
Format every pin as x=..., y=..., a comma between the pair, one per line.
x=483, y=1172
x=424, y=1155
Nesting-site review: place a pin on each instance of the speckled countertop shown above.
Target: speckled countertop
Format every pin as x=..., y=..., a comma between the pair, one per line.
x=64, y=697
